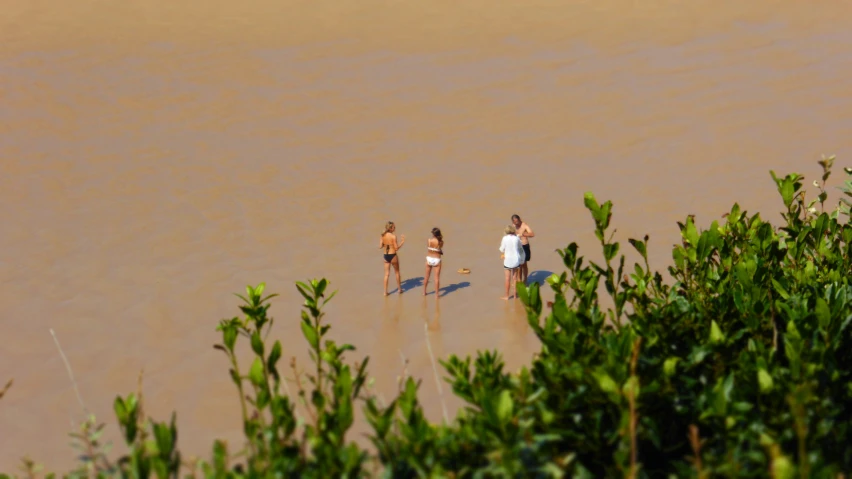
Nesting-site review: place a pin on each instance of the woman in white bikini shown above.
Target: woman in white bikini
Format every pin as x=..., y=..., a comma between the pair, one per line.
x=389, y=244
x=434, y=251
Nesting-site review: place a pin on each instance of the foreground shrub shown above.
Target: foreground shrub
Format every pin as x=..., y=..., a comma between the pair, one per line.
x=739, y=366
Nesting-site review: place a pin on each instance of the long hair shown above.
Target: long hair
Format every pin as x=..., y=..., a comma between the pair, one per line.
x=388, y=227
x=437, y=234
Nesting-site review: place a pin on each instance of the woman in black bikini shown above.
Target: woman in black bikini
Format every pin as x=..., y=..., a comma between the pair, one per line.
x=391, y=247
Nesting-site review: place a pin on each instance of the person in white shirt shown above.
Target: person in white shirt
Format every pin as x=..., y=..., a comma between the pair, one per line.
x=513, y=257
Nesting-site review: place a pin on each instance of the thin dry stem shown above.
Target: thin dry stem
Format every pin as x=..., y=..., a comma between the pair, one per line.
x=6, y=388
x=404, y=371
x=633, y=416
x=437, y=378
x=70, y=372
x=290, y=395
x=140, y=418
x=695, y=442
x=302, y=391
x=774, y=323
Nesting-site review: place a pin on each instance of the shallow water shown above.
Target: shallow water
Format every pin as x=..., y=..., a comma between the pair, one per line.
x=157, y=157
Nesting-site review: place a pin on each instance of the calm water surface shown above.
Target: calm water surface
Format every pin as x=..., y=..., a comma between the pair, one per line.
x=157, y=157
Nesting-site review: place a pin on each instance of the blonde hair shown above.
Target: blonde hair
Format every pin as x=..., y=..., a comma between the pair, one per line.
x=388, y=227
x=510, y=230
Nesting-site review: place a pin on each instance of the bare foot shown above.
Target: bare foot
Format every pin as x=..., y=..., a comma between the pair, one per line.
x=387, y=294
x=400, y=291
x=505, y=298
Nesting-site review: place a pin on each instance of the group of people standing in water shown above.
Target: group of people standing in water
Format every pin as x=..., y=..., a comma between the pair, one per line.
x=514, y=251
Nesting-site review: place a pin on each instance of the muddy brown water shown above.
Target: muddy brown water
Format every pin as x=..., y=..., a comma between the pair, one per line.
x=158, y=156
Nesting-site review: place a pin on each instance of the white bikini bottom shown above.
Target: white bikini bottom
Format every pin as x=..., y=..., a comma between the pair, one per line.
x=433, y=261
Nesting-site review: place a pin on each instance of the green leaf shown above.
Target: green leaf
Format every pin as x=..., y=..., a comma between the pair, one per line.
x=257, y=343
x=592, y=205
x=256, y=372
x=823, y=314
x=716, y=335
x=523, y=294
x=606, y=383
x=783, y=467
x=780, y=289
x=554, y=279
x=610, y=250
x=220, y=454
x=229, y=336
x=310, y=334
x=120, y=409
x=631, y=385
x=786, y=190
x=533, y=296
x=320, y=287
x=690, y=232
x=304, y=291
x=764, y=381
x=235, y=377
x=640, y=247
x=162, y=434
x=330, y=297
x=670, y=366
x=734, y=215
x=504, y=406
x=274, y=356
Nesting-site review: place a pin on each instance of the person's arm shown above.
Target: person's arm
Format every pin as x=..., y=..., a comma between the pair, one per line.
x=528, y=232
x=398, y=245
x=503, y=245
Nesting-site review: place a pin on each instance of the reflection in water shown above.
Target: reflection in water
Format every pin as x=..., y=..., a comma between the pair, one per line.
x=392, y=311
x=436, y=327
x=435, y=323
x=387, y=367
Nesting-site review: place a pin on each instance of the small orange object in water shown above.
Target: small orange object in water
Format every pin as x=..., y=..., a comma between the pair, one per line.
x=464, y=271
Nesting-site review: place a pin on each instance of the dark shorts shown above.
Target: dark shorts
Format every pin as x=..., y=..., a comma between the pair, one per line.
x=527, y=252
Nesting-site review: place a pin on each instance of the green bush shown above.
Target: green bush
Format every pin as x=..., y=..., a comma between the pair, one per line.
x=738, y=366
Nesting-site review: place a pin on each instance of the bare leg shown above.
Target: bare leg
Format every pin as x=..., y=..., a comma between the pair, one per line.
x=387, y=274
x=426, y=278
x=398, y=277
x=517, y=277
x=438, y=279
x=525, y=272
x=508, y=275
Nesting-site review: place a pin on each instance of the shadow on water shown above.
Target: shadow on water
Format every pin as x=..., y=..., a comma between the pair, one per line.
x=453, y=288
x=538, y=277
x=409, y=284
